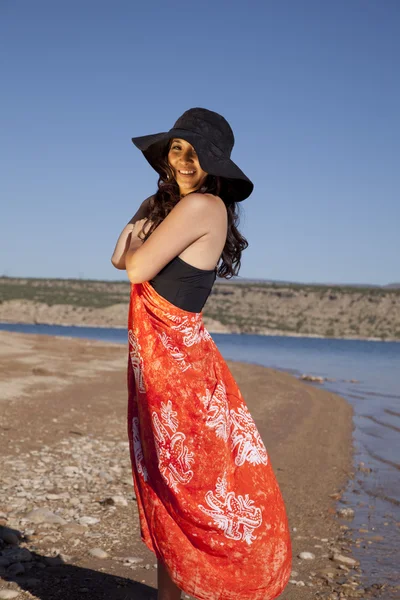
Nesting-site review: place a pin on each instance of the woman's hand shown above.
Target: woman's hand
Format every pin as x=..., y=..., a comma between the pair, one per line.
x=137, y=238
x=128, y=240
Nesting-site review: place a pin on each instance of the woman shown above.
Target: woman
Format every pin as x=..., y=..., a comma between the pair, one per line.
x=209, y=504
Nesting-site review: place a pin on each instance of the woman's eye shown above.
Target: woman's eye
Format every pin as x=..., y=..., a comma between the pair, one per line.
x=176, y=146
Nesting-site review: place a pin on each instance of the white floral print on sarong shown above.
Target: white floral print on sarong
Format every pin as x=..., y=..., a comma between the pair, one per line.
x=235, y=515
x=174, y=459
x=192, y=328
x=138, y=450
x=238, y=425
x=246, y=438
x=174, y=351
x=217, y=411
x=137, y=361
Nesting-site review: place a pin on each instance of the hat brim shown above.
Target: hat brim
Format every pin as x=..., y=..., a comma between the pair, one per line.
x=211, y=159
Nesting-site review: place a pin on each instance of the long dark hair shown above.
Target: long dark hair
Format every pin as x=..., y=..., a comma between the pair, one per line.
x=168, y=195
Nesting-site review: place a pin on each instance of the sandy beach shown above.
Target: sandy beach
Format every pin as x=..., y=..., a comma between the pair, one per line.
x=70, y=526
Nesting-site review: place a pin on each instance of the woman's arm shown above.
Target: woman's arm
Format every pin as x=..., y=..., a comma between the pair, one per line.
x=188, y=221
x=124, y=240
x=121, y=247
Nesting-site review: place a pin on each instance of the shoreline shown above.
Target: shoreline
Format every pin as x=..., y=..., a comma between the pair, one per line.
x=211, y=329
x=62, y=387
x=331, y=312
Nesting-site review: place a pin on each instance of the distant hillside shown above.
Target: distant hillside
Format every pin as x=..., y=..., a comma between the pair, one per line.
x=393, y=285
x=243, y=307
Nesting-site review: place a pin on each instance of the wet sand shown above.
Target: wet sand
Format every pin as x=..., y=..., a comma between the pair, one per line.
x=64, y=448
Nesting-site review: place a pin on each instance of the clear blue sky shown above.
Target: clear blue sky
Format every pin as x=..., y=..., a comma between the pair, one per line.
x=311, y=89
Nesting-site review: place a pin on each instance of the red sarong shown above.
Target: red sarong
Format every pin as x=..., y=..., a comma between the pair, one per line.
x=210, y=507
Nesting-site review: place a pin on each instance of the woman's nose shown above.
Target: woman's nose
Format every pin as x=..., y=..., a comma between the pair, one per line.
x=188, y=155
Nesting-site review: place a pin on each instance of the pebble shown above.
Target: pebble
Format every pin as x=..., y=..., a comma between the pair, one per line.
x=345, y=560
x=106, y=476
x=14, y=555
x=8, y=594
x=65, y=557
x=8, y=536
x=71, y=471
x=48, y=539
x=15, y=569
x=346, y=513
x=98, y=553
x=327, y=572
x=74, y=528
x=306, y=555
x=43, y=515
x=4, y=562
x=88, y=520
x=316, y=378
x=133, y=560
x=119, y=500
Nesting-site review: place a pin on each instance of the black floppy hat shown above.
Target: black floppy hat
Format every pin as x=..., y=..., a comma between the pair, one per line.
x=212, y=137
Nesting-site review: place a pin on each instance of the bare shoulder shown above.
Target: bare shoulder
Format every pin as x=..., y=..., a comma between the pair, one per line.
x=204, y=204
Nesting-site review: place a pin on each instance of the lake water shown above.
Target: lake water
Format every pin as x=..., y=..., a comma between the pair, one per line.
x=375, y=495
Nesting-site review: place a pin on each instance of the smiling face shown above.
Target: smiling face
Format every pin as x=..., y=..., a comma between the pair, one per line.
x=185, y=164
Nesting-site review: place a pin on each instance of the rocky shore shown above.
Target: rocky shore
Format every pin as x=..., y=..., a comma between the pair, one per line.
x=261, y=308
x=68, y=522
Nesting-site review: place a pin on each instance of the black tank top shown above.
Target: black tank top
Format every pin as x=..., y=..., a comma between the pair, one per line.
x=184, y=285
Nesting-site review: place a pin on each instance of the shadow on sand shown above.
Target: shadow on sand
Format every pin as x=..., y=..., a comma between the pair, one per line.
x=49, y=578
